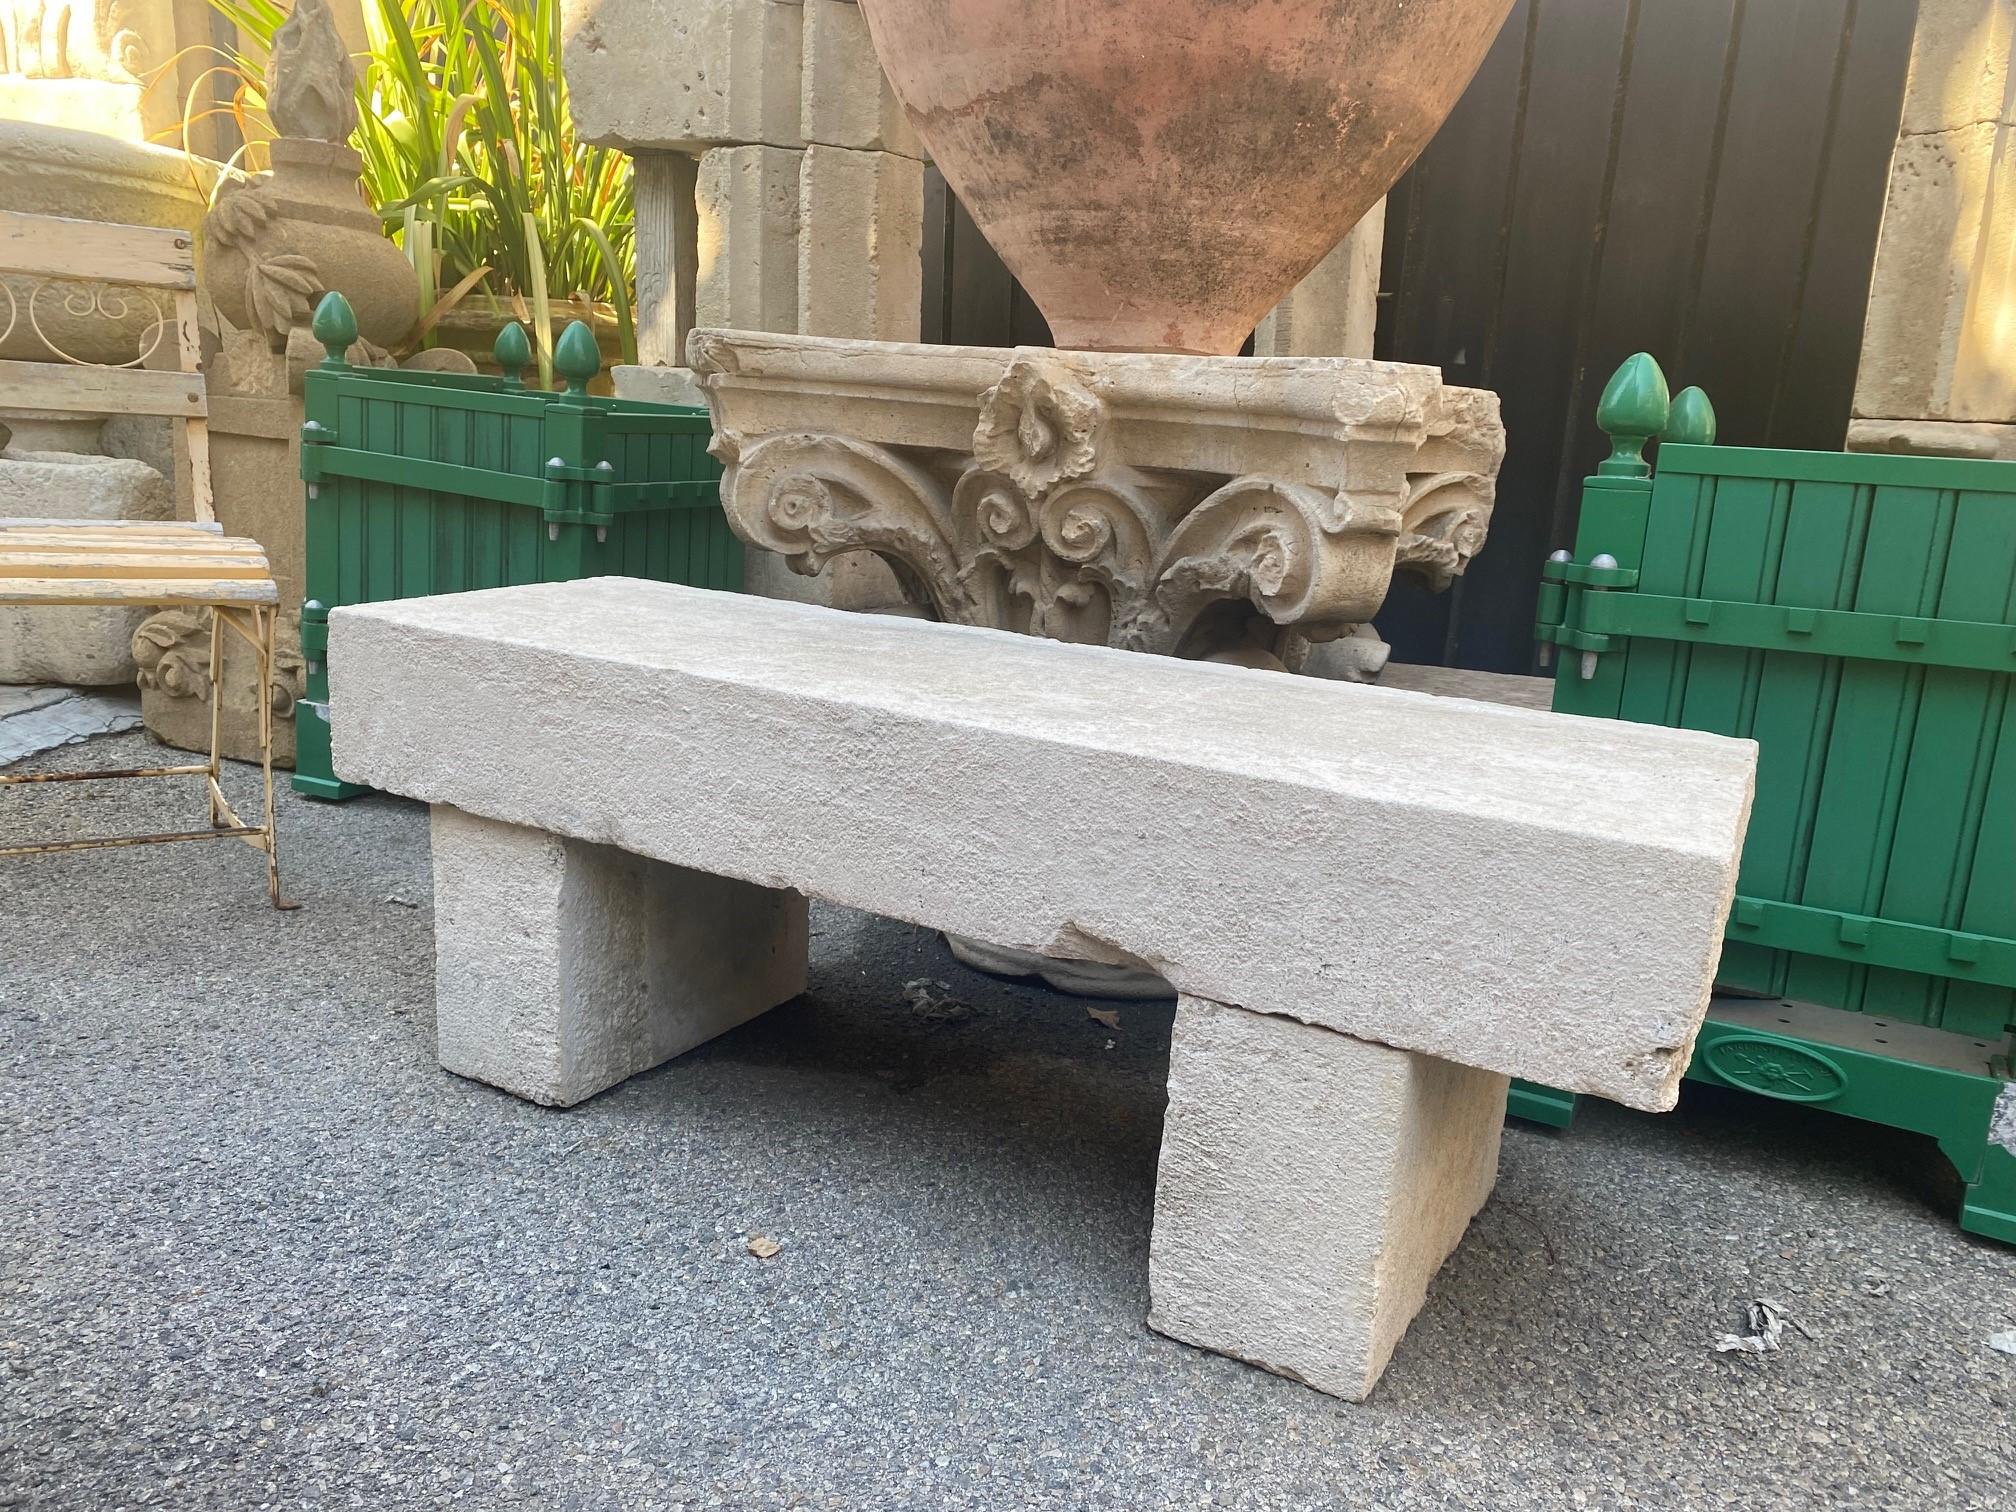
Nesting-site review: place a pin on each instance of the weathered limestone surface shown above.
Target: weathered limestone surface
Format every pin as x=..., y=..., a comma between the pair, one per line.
x=683, y=75
x=564, y=967
x=1526, y=893
x=1935, y=438
x=85, y=646
x=1194, y=506
x=861, y=216
x=1311, y=1185
x=747, y=268
x=1333, y=311
x=1942, y=297
x=845, y=101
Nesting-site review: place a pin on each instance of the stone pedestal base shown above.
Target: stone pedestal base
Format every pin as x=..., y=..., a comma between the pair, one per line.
x=1311, y=1185
x=88, y=646
x=563, y=967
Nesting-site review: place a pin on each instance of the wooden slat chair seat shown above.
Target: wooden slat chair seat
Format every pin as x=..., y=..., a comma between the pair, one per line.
x=140, y=563
x=172, y=563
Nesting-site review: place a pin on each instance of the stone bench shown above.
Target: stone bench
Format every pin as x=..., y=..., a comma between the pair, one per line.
x=1375, y=905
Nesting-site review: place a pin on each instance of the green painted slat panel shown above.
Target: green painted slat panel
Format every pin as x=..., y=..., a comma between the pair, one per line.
x=1869, y=743
x=1810, y=571
x=381, y=507
x=1953, y=753
x=1675, y=541
x=416, y=506
x=1871, y=469
x=431, y=483
x=1990, y=906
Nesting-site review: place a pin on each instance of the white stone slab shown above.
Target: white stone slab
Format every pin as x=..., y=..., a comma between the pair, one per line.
x=1529, y=893
x=562, y=968
x=683, y=75
x=1310, y=1187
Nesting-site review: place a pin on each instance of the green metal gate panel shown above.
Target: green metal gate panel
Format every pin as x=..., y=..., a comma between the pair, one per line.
x=1856, y=616
x=424, y=483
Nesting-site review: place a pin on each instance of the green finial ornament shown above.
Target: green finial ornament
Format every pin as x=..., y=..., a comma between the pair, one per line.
x=576, y=357
x=513, y=350
x=335, y=326
x=1634, y=409
x=1692, y=422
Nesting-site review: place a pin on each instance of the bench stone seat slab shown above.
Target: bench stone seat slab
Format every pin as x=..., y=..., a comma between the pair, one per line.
x=1525, y=893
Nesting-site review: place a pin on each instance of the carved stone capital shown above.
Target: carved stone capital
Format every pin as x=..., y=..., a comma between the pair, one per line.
x=1183, y=505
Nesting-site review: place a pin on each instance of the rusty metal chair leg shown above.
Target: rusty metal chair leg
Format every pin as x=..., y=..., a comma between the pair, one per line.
x=269, y=622
x=216, y=771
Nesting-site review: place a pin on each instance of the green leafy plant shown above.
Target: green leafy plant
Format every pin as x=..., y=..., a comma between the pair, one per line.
x=471, y=157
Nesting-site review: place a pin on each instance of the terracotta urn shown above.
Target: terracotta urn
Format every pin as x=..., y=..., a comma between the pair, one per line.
x=1159, y=173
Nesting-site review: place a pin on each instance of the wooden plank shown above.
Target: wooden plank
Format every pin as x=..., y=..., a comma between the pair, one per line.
x=96, y=564
x=189, y=347
x=134, y=548
x=164, y=527
x=101, y=390
x=56, y=246
x=138, y=591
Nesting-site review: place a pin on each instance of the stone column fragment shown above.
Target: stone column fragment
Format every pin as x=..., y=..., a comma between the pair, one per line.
x=861, y=216
x=1331, y=312
x=562, y=967
x=844, y=99
x=1934, y=375
x=1311, y=1185
x=683, y=75
x=747, y=200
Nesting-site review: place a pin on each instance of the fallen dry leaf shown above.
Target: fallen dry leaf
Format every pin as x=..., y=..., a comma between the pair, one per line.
x=1110, y=1017
x=762, y=1246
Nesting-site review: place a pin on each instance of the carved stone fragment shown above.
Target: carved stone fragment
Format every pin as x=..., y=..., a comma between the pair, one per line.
x=1194, y=506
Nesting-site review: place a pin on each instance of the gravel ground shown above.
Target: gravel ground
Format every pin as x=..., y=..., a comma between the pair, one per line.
x=257, y=1250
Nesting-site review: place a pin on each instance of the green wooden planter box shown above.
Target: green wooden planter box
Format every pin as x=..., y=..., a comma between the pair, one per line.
x=1856, y=616
x=423, y=483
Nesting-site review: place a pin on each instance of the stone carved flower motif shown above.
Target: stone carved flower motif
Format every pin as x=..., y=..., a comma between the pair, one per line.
x=1039, y=426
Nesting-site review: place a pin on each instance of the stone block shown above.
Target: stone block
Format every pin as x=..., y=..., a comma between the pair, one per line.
x=683, y=75
x=746, y=277
x=85, y=645
x=1934, y=438
x=562, y=967
x=1943, y=283
x=1960, y=59
x=861, y=231
x=657, y=385
x=1311, y=1185
x=1332, y=311
x=1527, y=893
x=845, y=100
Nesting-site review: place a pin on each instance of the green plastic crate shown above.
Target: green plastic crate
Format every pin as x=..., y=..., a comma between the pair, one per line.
x=423, y=483
x=1855, y=615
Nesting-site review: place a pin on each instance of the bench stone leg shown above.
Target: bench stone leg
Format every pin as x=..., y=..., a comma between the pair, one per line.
x=563, y=967
x=1311, y=1185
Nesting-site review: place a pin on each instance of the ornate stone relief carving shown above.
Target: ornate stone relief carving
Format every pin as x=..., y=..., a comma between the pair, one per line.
x=118, y=41
x=1188, y=506
x=172, y=651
